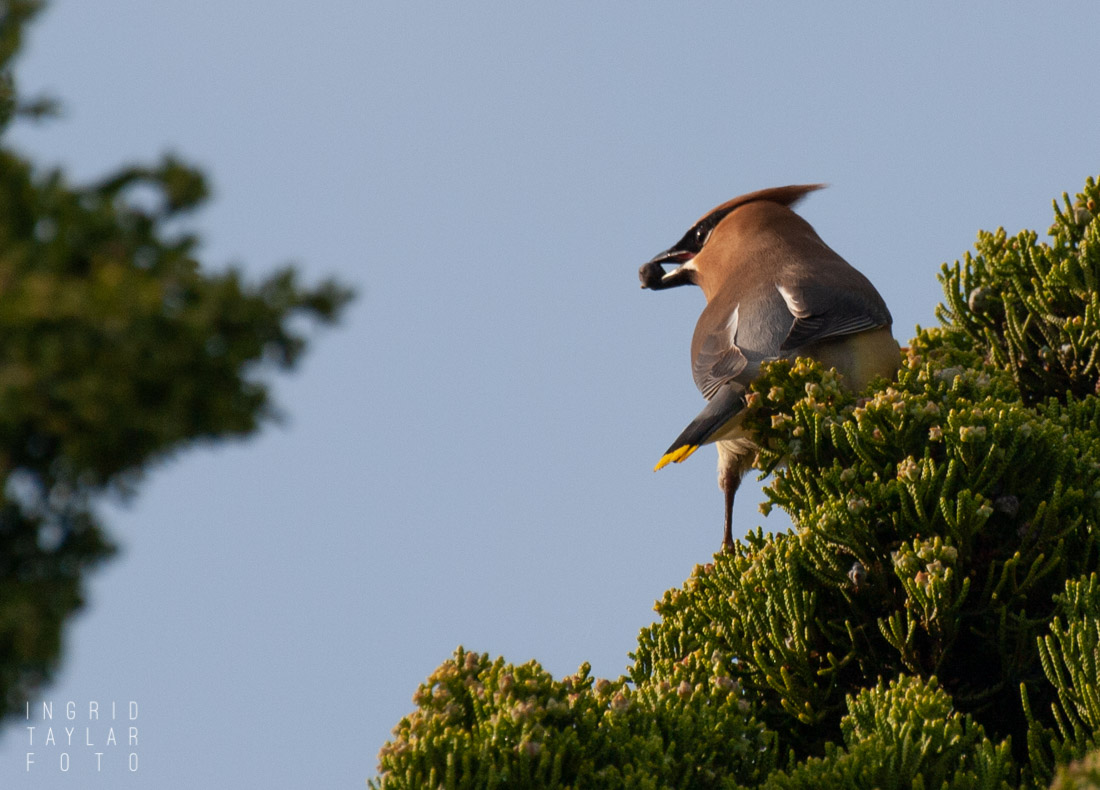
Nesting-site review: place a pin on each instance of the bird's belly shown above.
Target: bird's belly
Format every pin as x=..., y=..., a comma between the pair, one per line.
x=859, y=358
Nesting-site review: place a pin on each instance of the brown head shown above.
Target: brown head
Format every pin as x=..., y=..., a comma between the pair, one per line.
x=739, y=230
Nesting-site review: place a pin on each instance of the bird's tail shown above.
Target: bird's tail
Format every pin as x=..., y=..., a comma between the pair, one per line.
x=726, y=404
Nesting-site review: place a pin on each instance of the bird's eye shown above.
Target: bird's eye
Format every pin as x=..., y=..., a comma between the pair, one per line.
x=701, y=235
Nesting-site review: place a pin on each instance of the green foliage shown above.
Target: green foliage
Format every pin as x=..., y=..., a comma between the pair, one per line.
x=118, y=350
x=905, y=734
x=936, y=520
x=488, y=724
x=1035, y=307
x=1083, y=774
x=1071, y=662
x=14, y=16
x=933, y=620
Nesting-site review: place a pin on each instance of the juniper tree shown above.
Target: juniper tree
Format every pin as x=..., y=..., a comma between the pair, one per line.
x=932, y=620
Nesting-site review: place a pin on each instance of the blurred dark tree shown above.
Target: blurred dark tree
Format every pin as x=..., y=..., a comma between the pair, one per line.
x=116, y=350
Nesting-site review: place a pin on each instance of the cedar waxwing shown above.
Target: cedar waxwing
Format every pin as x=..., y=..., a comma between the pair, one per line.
x=774, y=289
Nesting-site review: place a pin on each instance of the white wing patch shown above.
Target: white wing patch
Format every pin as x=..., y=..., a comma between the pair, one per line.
x=731, y=325
x=798, y=310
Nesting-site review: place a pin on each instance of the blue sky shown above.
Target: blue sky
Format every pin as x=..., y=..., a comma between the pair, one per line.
x=467, y=459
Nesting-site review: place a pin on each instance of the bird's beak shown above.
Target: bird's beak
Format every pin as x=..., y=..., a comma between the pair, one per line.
x=653, y=275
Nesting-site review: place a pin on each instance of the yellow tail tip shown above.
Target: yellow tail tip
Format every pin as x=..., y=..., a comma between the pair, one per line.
x=676, y=456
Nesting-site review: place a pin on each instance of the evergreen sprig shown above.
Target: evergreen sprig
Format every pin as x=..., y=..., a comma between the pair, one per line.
x=904, y=734
x=1033, y=306
x=489, y=724
x=1070, y=656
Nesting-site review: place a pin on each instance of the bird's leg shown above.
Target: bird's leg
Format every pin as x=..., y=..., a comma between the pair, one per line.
x=734, y=459
x=727, y=538
x=729, y=480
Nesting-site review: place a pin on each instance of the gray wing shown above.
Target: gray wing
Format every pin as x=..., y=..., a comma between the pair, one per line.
x=840, y=305
x=729, y=347
x=717, y=361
